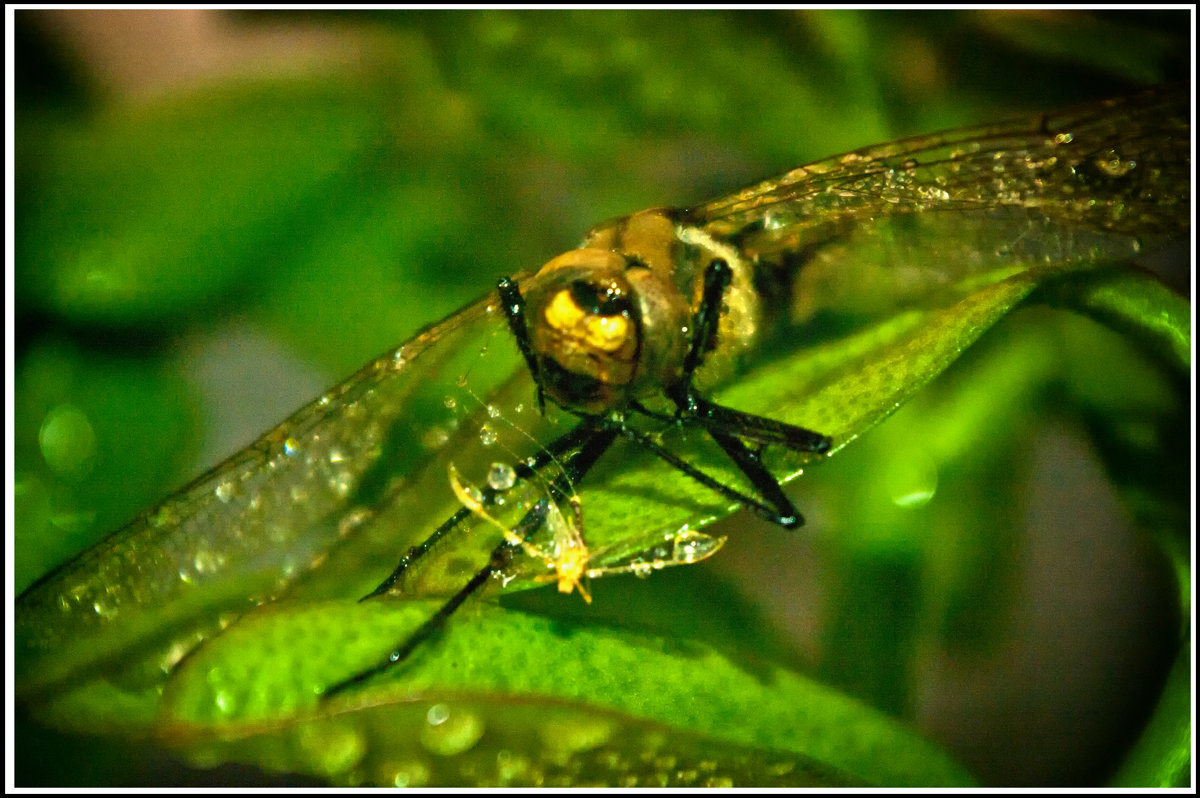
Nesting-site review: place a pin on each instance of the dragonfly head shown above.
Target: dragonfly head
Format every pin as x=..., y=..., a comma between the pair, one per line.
x=595, y=319
x=585, y=329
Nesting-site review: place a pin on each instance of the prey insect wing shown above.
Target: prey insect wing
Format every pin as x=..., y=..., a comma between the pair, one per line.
x=567, y=555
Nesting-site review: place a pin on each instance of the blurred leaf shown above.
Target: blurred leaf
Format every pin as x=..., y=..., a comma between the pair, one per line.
x=1163, y=754
x=63, y=508
x=109, y=236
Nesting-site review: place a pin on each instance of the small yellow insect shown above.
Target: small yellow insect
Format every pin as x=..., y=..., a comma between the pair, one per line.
x=567, y=554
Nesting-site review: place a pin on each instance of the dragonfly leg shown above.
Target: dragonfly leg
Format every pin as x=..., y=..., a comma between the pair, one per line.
x=764, y=431
x=514, y=310
x=779, y=512
x=496, y=563
x=524, y=469
x=785, y=513
x=729, y=427
x=597, y=442
x=717, y=277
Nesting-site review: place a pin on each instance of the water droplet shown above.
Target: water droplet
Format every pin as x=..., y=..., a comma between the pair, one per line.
x=68, y=442
x=487, y=435
x=912, y=483
x=164, y=516
x=352, y=520
x=342, y=483
x=510, y=767
x=411, y=773
x=205, y=562
x=435, y=436
x=336, y=456
x=447, y=732
x=450, y=402
x=461, y=382
x=502, y=476
x=224, y=701
x=692, y=547
x=1113, y=166
x=291, y=447
x=225, y=492
x=437, y=715
x=493, y=411
x=576, y=734
x=333, y=748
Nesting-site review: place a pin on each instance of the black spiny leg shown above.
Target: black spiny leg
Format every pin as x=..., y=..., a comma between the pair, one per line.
x=786, y=514
x=514, y=311
x=496, y=563
x=574, y=469
x=769, y=512
x=524, y=469
x=717, y=277
x=729, y=428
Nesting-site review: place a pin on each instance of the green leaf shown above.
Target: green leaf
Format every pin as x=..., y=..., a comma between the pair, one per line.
x=580, y=692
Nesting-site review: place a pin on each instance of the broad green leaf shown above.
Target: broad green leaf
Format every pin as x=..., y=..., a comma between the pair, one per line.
x=579, y=690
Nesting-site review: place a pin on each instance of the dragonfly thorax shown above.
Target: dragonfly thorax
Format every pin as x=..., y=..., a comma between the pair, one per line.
x=603, y=329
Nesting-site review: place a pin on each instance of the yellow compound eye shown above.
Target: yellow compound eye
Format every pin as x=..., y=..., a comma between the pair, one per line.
x=563, y=312
x=602, y=333
x=607, y=333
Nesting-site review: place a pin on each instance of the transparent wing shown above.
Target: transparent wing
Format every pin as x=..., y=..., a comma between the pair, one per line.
x=1119, y=167
x=335, y=485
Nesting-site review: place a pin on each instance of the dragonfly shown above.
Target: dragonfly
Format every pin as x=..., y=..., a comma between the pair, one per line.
x=624, y=339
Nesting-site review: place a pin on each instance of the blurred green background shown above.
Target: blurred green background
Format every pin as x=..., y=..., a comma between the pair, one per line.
x=218, y=214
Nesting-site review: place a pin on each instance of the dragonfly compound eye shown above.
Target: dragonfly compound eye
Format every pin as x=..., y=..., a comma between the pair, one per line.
x=596, y=317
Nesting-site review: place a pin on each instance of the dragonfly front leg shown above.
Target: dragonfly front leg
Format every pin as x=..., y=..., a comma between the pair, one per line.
x=597, y=442
x=730, y=428
x=513, y=305
x=524, y=469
